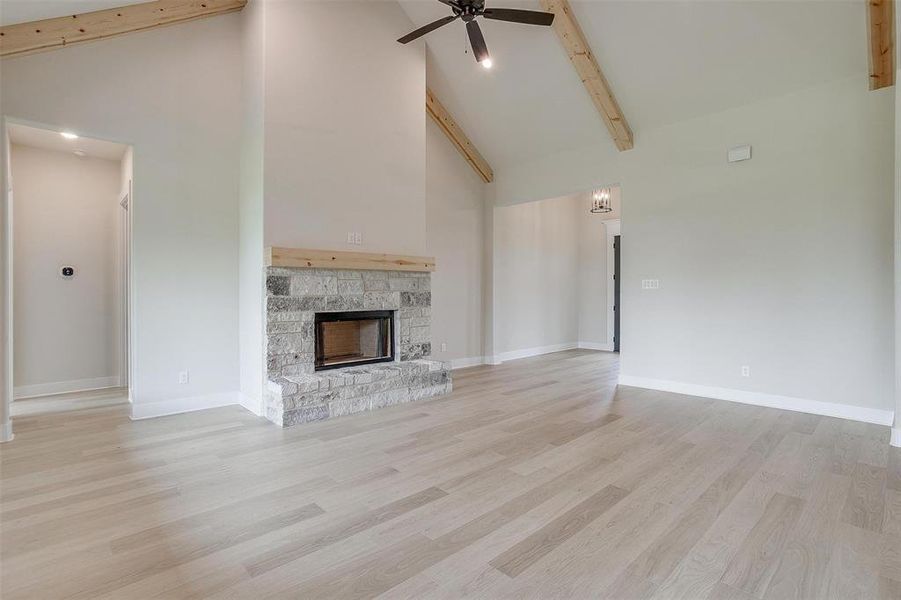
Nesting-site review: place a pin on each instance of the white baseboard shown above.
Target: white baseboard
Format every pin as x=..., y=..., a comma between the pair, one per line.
x=606, y=347
x=474, y=361
x=815, y=407
x=254, y=405
x=148, y=410
x=65, y=387
x=463, y=363
x=6, y=432
x=896, y=436
x=536, y=351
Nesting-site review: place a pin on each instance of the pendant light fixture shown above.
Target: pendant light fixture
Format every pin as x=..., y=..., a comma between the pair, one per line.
x=600, y=201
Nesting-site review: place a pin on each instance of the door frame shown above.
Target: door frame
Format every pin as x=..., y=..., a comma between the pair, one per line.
x=613, y=228
x=6, y=430
x=124, y=268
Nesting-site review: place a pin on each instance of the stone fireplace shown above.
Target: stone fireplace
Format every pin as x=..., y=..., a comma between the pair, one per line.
x=341, y=341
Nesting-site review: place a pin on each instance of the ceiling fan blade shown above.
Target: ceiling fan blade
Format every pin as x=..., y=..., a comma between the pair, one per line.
x=477, y=40
x=515, y=15
x=426, y=29
x=451, y=3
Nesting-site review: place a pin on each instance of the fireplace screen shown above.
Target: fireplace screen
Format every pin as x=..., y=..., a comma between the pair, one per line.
x=353, y=338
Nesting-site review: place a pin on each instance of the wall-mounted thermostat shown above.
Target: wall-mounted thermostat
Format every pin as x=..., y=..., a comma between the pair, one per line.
x=67, y=272
x=739, y=153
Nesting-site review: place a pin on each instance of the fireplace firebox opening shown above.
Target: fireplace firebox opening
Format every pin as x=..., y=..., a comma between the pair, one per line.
x=345, y=339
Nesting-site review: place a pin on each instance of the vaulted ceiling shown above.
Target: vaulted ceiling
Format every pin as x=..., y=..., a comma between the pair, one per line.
x=666, y=61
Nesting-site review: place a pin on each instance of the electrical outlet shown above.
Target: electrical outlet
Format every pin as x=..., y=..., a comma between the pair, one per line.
x=444, y=346
x=746, y=371
x=184, y=377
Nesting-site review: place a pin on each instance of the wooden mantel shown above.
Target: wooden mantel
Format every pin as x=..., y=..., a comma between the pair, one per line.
x=334, y=259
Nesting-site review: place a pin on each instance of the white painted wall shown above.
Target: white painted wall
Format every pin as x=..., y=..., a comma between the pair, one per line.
x=536, y=268
x=250, y=260
x=455, y=197
x=67, y=213
x=489, y=307
x=175, y=94
x=344, y=127
x=592, y=274
x=550, y=276
x=782, y=263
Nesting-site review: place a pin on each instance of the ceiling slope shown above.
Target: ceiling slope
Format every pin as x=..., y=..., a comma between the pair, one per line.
x=668, y=61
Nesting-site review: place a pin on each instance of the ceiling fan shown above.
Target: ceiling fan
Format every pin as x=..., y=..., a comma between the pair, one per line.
x=468, y=11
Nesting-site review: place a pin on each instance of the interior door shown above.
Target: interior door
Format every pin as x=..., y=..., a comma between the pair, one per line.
x=616, y=258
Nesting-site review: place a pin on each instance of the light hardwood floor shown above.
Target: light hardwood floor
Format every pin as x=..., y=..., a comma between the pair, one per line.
x=55, y=403
x=535, y=479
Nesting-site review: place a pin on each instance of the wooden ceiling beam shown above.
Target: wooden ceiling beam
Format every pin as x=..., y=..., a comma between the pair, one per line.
x=453, y=132
x=48, y=34
x=881, y=34
x=576, y=46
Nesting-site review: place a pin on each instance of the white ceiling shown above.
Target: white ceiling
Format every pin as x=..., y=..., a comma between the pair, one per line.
x=666, y=60
x=21, y=11
x=52, y=140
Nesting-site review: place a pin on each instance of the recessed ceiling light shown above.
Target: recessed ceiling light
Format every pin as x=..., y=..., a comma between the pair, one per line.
x=68, y=135
x=80, y=152
x=486, y=64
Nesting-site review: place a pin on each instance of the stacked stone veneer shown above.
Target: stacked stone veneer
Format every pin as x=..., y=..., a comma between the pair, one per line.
x=296, y=392
x=300, y=399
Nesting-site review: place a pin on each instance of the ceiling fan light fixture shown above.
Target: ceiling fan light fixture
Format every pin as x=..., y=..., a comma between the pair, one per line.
x=468, y=11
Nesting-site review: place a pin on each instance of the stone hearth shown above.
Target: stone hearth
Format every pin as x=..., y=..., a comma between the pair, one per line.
x=299, y=399
x=296, y=392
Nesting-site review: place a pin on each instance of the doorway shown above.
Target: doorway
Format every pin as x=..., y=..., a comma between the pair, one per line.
x=616, y=283
x=614, y=275
x=71, y=239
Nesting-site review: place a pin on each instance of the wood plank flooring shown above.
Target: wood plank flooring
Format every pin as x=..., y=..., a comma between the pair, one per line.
x=535, y=479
